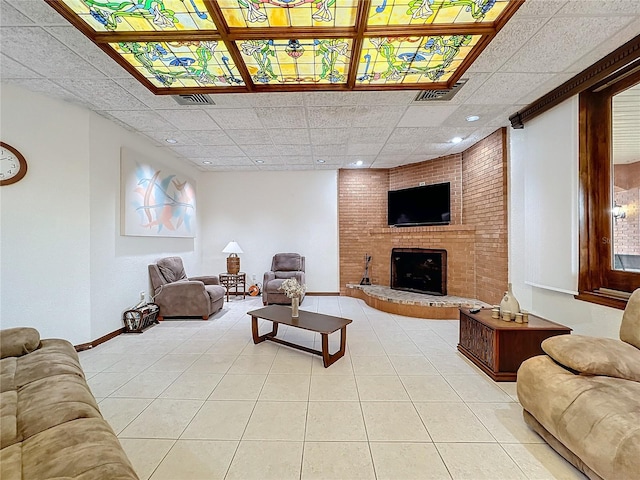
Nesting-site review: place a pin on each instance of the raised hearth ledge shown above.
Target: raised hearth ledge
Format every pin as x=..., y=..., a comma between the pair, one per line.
x=433, y=228
x=417, y=305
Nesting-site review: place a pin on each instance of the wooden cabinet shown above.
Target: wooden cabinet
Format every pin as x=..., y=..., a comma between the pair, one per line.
x=498, y=347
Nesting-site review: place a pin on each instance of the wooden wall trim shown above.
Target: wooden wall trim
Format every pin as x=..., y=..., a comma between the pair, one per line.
x=95, y=343
x=621, y=57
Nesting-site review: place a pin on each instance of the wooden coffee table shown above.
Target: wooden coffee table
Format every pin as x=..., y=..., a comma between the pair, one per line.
x=314, y=322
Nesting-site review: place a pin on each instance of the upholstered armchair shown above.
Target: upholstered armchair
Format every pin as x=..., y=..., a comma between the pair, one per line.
x=180, y=296
x=283, y=266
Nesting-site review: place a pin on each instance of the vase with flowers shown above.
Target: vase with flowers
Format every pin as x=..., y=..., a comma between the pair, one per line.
x=294, y=291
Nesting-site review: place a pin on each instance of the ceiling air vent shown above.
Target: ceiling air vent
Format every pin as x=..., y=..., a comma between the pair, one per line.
x=194, y=99
x=440, y=95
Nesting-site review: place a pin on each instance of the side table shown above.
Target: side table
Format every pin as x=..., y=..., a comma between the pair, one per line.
x=498, y=347
x=231, y=280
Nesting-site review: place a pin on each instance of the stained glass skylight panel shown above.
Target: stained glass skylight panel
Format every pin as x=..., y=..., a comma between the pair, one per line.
x=304, y=61
x=437, y=12
x=385, y=60
x=289, y=13
x=143, y=15
x=182, y=64
x=279, y=45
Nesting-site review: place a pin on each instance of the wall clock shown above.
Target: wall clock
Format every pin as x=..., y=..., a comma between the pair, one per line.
x=13, y=166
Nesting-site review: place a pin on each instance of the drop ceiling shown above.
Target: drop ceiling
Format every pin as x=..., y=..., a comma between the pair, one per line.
x=545, y=43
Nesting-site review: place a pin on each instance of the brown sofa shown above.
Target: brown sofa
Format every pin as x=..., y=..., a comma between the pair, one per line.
x=583, y=398
x=283, y=266
x=50, y=424
x=180, y=296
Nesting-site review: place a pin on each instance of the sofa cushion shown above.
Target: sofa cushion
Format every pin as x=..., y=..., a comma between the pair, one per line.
x=596, y=417
x=172, y=269
x=595, y=356
x=15, y=342
x=11, y=462
x=8, y=419
x=83, y=449
x=630, y=326
x=56, y=357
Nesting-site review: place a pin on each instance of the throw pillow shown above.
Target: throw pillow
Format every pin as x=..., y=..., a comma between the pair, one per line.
x=15, y=342
x=595, y=356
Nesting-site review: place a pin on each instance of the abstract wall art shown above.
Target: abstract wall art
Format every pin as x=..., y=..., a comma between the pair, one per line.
x=155, y=200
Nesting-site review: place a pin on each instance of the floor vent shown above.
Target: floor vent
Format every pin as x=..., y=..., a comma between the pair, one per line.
x=440, y=95
x=194, y=99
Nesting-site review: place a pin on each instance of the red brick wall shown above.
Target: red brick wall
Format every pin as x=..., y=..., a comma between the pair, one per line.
x=484, y=205
x=362, y=213
x=626, y=231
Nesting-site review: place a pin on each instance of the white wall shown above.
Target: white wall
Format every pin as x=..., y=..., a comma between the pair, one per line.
x=66, y=269
x=271, y=212
x=584, y=317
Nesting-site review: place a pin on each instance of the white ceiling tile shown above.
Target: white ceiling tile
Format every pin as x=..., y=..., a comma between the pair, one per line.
x=467, y=91
x=9, y=68
x=260, y=150
x=506, y=43
x=430, y=115
x=233, y=118
x=39, y=11
x=282, y=117
x=290, y=136
x=210, y=137
x=277, y=99
x=251, y=136
x=142, y=93
x=509, y=87
x=326, y=150
x=364, y=148
x=567, y=38
x=229, y=160
x=230, y=100
x=111, y=95
x=193, y=119
x=267, y=160
x=331, y=98
x=408, y=135
x=385, y=97
x=86, y=49
x=539, y=8
x=209, y=151
x=369, y=134
x=431, y=149
x=330, y=117
x=487, y=113
x=398, y=148
x=297, y=160
x=607, y=46
x=601, y=7
x=329, y=136
x=379, y=115
x=45, y=87
x=12, y=17
x=161, y=137
x=400, y=157
x=289, y=150
x=141, y=120
x=544, y=87
x=26, y=45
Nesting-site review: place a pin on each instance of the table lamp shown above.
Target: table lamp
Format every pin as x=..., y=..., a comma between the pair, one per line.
x=233, y=261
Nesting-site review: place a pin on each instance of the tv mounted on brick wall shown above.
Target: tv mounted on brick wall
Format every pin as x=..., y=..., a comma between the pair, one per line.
x=424, y=205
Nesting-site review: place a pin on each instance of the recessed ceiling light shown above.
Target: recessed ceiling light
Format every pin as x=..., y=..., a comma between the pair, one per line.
x=321, y=161
x=359, y=163
x=207, y=162
x=259, y=161
x=456, y=140
x=473, y=118
x=171, y=140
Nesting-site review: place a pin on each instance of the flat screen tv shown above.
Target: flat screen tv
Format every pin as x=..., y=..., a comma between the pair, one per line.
x=424, y=205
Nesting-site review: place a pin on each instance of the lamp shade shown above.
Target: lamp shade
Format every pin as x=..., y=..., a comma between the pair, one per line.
x=232, y=247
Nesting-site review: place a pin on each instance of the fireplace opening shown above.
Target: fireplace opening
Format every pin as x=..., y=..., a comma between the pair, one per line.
x=420, y=270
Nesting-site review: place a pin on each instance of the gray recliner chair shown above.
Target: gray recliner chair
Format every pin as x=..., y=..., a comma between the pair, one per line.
x=283, y=266
x=180, y=296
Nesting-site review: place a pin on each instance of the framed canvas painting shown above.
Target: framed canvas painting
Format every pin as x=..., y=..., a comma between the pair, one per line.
x=156, y=201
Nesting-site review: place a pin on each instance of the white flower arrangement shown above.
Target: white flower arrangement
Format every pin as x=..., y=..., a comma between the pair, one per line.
x=292, y=288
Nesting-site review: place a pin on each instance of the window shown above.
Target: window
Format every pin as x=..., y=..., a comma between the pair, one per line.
x=608, y=259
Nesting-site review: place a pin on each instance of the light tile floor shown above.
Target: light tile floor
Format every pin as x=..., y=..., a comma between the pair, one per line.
x=193, y=399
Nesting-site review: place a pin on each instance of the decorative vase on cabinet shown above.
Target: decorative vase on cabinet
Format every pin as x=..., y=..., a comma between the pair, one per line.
x=509, y=303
